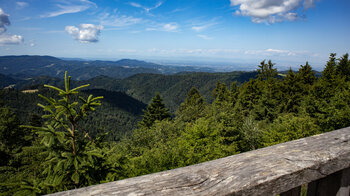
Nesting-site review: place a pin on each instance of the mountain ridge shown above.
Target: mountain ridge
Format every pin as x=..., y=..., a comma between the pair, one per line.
x=24, y=66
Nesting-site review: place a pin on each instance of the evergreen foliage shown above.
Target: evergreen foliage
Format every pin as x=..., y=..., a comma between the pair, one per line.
x=266, y=71
x=343, y=67
x=156, y=111
x=261, y=112
x=192, y=108
x=329, y=72
x=306, y=75
x=73, y=157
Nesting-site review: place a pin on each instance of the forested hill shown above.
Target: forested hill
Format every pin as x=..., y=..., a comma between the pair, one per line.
x=66, y=147
x=123, y=99
x=173, y=88
x=118, y=114
x=23, y=67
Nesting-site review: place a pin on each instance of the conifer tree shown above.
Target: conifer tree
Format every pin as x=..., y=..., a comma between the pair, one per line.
x=234, y=92
x=306, y=75
x=11, y=135
x=292, y=93
x=266, y=71
x=193, y=106
x=156, y=110
x=73, y=158
x=343, y=67
x=221, y=93
x=329, y=72
x=249, y=95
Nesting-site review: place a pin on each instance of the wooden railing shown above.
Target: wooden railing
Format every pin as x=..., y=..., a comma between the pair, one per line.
x=321, y=161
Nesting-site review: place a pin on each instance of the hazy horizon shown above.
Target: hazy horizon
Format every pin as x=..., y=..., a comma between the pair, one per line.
x=289, y=32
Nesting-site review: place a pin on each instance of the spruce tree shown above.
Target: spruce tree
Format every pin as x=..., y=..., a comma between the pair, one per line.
x=266, y=71
x=234, y=92
x=343, y=67
x=156, y=110
x=291, y=93
x=192, y=108
x=73, y=159
x=221, y=93
x=306, y=75
x=11, y=135
x=329, y=72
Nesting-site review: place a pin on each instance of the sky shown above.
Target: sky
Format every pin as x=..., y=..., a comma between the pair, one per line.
x=289, y=32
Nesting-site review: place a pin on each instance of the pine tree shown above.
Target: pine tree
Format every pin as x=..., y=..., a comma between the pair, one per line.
x=156, y=110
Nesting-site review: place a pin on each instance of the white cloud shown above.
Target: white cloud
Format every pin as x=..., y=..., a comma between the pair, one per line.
x=21, y=4
x=10, y=39
x=169, y=27
x=200, y=52
x=267, y=52
x=70, y=7
x=199, y=28
x=179, y=10
x=119, y=21
x=85, y=33
x=4, y=21
x=270, y=11
x=205, y=37
x=279, y=52
x=6, y=39
x=135, y=4
x=172, y=27
x=127, y=50
x=65, y=10
x=147, y=9
x=204, y=25
x=308, y=4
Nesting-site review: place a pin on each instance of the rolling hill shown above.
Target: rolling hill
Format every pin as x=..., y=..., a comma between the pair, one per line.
x=22, y=67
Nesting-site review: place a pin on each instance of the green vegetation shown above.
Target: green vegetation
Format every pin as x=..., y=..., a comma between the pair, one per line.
x=59, y=151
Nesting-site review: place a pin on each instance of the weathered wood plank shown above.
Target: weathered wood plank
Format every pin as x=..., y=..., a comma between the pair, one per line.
x=344, y=183
x=327, y=186
x=293, y=192
x=266, y=171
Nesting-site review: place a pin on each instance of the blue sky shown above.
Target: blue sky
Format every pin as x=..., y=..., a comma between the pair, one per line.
x=289, y=32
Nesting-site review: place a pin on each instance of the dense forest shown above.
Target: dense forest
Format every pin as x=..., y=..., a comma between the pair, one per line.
x=56, y=148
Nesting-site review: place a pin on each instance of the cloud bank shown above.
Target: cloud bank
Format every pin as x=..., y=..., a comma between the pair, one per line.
x=6, y=39
x=271, y=11
x=85, y=33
